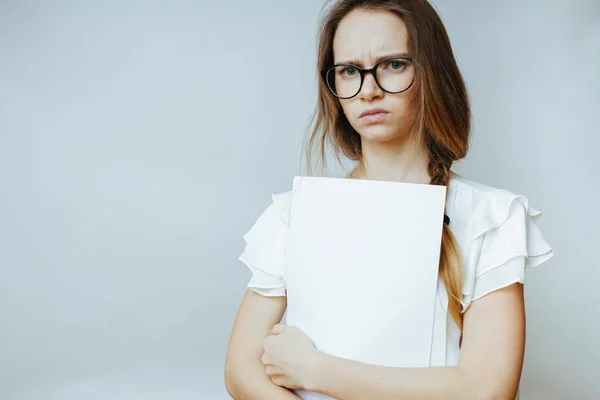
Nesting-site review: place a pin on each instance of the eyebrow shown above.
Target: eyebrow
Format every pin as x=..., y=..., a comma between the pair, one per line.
x=360, y=64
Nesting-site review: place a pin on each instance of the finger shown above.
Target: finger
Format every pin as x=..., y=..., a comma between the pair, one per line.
x=278, y=329
x=280, y=380
x=266, y=345
x=272, y=370
x=265, y=359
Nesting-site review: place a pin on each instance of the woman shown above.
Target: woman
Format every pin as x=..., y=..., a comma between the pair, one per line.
x=392, y=99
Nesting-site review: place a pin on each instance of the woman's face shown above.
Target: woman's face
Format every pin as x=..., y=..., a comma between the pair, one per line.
x=363, y=38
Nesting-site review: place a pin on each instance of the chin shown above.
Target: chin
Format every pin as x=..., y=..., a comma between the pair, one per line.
x=378, y=133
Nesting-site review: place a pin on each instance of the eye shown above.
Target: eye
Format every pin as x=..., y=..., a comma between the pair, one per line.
x=348, y=71
x=394, y=65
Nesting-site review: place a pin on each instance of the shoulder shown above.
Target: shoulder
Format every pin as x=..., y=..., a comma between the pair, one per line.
x=497, y=233
x=461, y=183
x=485, y=207
x=275, y=217
x=264, y=252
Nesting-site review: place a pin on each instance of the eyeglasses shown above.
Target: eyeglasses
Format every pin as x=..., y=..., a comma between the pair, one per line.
x=393, y=75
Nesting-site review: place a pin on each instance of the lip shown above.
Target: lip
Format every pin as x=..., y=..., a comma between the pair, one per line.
x=373, y=111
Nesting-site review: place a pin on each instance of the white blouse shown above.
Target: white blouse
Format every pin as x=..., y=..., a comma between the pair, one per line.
x=495, y=230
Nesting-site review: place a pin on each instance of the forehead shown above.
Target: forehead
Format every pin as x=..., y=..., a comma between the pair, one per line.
x=366, y=34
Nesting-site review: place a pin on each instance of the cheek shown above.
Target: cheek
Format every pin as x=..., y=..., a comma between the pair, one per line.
x=399, y=107
x=352, y=110
x=347, y=109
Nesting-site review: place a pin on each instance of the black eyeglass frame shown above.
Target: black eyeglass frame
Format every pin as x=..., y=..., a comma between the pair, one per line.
x=362, y=73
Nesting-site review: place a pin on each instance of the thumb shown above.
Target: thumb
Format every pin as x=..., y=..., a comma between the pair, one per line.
x=277, y=329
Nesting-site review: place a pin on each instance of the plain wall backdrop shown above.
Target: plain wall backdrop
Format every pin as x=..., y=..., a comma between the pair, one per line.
x=140, y=140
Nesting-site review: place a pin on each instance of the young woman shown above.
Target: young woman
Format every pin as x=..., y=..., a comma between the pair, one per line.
x=392, y=99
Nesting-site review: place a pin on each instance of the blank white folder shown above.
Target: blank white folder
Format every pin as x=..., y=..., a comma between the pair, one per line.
x=361, y=270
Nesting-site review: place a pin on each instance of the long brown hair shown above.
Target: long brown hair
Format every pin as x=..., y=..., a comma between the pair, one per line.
x=438, y=103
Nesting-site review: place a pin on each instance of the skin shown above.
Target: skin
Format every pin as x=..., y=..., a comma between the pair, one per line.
x=390, y=151
x=493, y=342
x=245, y=376
x=490, y=362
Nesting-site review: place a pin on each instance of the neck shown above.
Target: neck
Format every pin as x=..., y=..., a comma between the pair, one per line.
x=400, y=160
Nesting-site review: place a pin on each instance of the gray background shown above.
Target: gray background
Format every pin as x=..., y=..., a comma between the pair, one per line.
x=140, y=140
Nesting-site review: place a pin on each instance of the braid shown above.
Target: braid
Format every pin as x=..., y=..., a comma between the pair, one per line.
x=439, y=172
x=450, y=269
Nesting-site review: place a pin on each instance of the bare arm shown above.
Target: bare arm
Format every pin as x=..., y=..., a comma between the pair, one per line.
x=490, y=363
x=245, y=376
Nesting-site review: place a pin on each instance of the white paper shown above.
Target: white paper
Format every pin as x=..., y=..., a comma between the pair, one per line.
x=361, y=269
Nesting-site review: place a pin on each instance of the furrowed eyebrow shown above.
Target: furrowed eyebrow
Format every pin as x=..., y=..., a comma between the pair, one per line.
x=360, y=64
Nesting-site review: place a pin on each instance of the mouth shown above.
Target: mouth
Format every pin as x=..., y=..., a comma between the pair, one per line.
x=374, y=115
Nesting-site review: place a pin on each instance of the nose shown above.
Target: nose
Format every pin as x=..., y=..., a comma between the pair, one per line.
x=370, y=89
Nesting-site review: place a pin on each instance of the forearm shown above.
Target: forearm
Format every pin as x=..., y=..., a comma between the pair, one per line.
x=254, y=384
x=350, y=380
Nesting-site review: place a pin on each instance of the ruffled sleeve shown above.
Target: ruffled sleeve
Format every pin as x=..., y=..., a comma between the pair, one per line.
x=505, y=241
x=264, y=252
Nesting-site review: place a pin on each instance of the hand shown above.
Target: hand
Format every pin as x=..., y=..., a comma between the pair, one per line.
x=290, y=357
